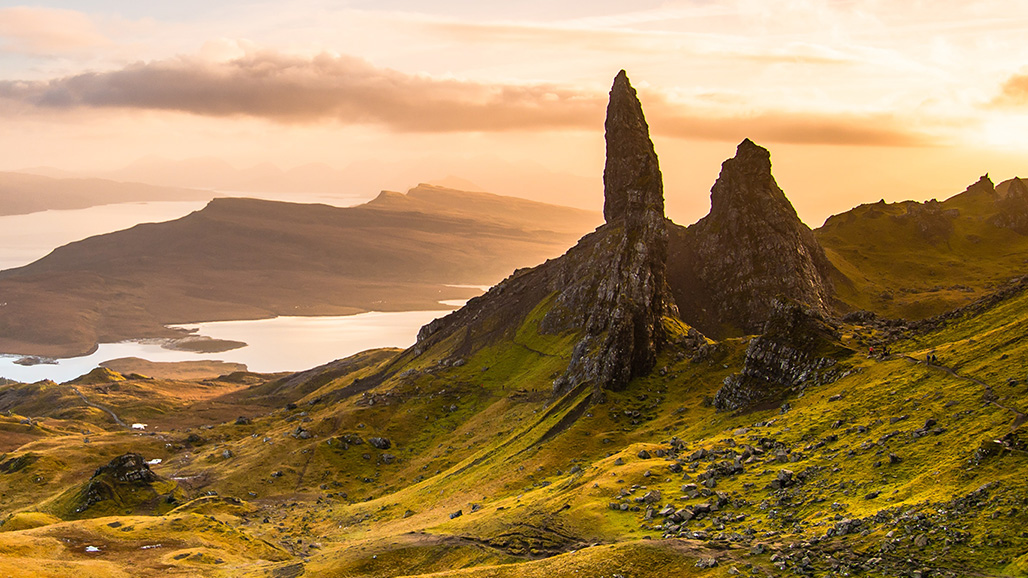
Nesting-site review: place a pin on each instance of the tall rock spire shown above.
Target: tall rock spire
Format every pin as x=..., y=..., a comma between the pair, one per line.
x=625, y=296
x=632, y=184
x=609, y=289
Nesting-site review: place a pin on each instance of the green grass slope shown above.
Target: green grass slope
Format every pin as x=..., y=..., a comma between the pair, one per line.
x=896, y=468
x=914, y=260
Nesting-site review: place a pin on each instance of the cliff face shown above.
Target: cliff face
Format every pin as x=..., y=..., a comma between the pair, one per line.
x=726, y=269
x=611, y=286
x=621, y=296
x=797, y=348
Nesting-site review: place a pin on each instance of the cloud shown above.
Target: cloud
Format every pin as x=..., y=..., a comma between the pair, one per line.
x=297, y=89
x=621, y=40
x=791, y=127
x=1014, y=92
x=300, y=89
x=45, y=31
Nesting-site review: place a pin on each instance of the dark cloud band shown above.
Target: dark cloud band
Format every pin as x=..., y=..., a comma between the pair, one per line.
x=291, y=89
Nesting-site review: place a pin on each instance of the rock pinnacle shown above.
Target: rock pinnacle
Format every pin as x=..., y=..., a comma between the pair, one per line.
x=632, y=183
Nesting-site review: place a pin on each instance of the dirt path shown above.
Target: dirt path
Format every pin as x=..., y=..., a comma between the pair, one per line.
x=1019, y=419
x=117, y=420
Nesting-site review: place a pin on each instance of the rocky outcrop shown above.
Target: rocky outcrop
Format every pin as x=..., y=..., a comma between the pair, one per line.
x=1012, y=209
x=127, y=468
x=126, y=483
x=726, y=269
x=620, y=302
x=797, y=348
x=930, y=220
x=983, y=187
x=610, y=287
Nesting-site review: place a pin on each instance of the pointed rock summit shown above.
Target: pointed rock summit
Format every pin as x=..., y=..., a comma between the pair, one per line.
x=609, y=289
x=633, y=189
x=727, y=269
x=621, y=303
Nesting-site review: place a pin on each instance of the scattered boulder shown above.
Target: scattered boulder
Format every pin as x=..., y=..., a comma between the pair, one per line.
x=380, y=443
x=652, y=497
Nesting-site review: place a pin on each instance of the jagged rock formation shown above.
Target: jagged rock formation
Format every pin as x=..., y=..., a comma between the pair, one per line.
x=930, y=220
x=726, y=269
x=621, y=302
x=124, y=483
x=633, y=189
x=128, y=468
x=1013, y=208
x=798, y=347
x=983, y=187
x=611, y=286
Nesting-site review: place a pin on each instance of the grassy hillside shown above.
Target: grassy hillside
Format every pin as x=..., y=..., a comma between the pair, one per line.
x=914, y=260
x=898, y=467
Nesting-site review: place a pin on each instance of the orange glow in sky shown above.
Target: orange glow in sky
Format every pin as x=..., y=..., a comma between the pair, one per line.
x=857, y=100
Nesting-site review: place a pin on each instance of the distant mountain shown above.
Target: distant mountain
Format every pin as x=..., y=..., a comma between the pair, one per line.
x=364, y=179
x=248, y=259
x=22, y=193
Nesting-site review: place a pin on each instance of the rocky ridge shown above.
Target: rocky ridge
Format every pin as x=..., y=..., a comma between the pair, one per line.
x=1013, y=208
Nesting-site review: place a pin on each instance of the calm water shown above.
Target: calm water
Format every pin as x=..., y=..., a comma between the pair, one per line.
x=26, y=238
x=280, y=344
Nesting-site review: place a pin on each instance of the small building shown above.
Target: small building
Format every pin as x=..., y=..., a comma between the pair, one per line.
x=139, y=426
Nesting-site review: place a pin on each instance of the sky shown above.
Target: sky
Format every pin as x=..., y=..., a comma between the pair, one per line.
x=857, y=100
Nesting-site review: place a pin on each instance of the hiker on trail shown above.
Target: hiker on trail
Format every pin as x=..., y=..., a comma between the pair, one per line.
x=871, y=351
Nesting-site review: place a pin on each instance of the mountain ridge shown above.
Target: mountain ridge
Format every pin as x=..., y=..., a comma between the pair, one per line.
x=23, y=193
x=307, y=259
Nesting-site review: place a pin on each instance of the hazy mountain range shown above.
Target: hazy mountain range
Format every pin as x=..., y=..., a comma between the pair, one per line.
x=22, y=193
x=250, y=259
x=363, y=179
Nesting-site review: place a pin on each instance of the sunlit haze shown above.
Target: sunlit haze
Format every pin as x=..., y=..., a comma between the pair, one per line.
x=857, y=100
